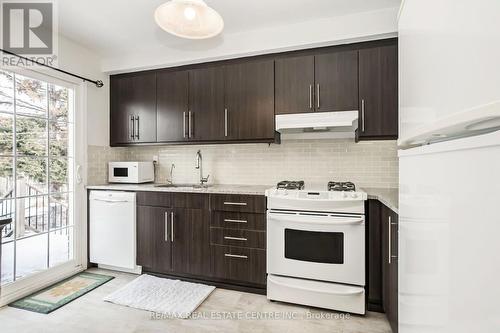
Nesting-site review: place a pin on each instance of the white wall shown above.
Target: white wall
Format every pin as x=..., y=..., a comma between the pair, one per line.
x=314, y=33
x=79, y=60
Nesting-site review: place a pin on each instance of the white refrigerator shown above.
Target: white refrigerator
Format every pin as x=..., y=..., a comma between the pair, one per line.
x=449, y=160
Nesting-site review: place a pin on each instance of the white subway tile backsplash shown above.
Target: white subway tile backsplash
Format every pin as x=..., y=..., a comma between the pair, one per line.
x=368, y=164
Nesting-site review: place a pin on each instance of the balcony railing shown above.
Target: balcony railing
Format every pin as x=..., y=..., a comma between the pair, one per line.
x=35, y=214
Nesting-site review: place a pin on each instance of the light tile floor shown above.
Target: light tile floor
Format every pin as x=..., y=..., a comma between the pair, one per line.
x=90, y=313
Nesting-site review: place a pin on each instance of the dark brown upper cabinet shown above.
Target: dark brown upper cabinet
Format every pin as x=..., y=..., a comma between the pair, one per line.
x=133, y=108
x=378, y=93
x=336, y=77
x=236, y=100
x=172, y=106
x=249, y=101
x=205, y=119
x=294, y=91
x=317, y=83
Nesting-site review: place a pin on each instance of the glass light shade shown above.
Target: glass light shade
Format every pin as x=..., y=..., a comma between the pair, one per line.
x=191, y=19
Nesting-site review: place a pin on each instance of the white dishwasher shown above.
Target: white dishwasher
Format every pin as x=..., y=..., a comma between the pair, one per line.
x=113, y=230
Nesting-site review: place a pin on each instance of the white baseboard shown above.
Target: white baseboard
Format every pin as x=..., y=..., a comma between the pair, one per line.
x=136, y=270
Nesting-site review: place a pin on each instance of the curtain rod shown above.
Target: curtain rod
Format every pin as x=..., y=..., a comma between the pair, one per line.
x=98, y=83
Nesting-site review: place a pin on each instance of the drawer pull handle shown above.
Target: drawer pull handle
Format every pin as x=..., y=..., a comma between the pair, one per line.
x=235, y=238
x=235, y=203
x=235, y=221
x=235, y=256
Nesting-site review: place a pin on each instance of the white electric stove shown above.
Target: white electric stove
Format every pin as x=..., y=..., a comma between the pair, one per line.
x=316, y=246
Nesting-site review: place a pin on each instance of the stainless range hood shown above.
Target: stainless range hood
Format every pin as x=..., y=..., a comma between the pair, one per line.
x=317, y=125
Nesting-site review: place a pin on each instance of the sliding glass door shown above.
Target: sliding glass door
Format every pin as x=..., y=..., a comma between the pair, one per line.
x=37, y=174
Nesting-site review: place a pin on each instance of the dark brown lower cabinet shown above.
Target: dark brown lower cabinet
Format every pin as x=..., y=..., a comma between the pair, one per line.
x=190, y=245
x=374, y=256
x=239, y=264
x=154, y=246
x=178, y=234
x=390, y=265
x=382, y=261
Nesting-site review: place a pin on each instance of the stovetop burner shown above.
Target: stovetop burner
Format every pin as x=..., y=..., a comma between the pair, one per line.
x=291, y=185
x=341, y=186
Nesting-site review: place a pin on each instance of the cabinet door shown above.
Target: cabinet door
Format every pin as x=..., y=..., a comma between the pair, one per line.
x=191, y=241
x=390, y=266
x=154, y=246
x=336, y=76
x=375, y=260
x=133, y=108
x=294, y=85
x=249, y=100
x=378, y=92
x=172, y=106
x=206, y=104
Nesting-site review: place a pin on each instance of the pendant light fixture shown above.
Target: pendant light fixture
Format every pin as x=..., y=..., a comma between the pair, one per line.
x=191, y=19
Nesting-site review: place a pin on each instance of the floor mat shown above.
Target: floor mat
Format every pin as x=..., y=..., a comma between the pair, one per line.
x=173, y=298
x=61, y=293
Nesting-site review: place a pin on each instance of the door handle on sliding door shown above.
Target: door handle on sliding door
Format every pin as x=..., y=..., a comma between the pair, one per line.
x=78, y=174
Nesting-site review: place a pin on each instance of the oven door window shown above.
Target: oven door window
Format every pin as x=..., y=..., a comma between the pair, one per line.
x=314, y=246
x=120, y=172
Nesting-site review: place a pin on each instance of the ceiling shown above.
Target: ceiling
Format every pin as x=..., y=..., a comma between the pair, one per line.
x=116, y=27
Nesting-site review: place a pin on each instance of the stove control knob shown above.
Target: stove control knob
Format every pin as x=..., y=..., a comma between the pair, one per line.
x=354, y=195
x=344, y=195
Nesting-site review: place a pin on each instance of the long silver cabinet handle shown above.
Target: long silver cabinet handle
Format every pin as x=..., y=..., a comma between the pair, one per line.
x=225, y=122
x=235, y=203
x=184, y=124
x=389, y=255
x=172, y=227
x=310, y=96
x=362, y=115
x=317, y=88
x=190, y=133
x=166, y=226
x=132, y=129
x=137, y=126
x=235, y=221
x=235, y=238
x=235, y=256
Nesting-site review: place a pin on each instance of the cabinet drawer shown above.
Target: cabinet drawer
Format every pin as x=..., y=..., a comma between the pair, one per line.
x=235, y=220
x=239, y=264
x=154, y=199
x=238, y=237
x=238, y=203
x=190, y=200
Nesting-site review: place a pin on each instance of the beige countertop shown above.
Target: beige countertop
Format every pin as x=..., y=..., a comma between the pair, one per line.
x=387, y=196
x=216, y=188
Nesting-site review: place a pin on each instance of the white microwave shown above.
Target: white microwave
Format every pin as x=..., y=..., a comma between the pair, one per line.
x=131, y=172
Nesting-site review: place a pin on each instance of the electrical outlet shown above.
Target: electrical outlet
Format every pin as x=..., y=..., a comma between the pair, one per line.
x=155, y=158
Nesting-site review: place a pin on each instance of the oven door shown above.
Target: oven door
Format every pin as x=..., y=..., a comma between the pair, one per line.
x=318, y=246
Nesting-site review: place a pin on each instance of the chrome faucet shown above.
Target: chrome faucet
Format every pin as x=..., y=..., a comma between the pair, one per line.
x=171, y=180
x=199, y=165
